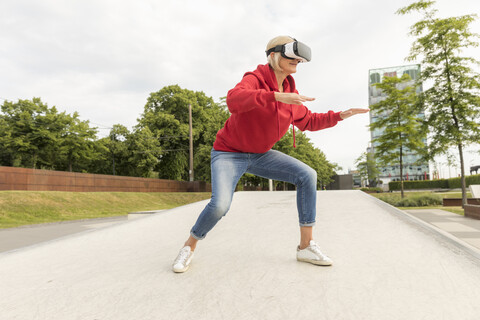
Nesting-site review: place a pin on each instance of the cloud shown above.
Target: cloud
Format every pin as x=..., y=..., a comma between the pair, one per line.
x=103, y=58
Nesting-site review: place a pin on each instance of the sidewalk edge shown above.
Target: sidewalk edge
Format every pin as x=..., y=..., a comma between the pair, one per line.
x=466, y=247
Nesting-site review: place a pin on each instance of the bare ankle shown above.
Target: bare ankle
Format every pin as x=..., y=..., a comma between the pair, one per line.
x=191, y=242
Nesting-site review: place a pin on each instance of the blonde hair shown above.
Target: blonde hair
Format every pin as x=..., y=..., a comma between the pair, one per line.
x=275, y=60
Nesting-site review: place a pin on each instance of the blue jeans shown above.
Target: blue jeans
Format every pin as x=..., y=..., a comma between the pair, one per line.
x=228, y=167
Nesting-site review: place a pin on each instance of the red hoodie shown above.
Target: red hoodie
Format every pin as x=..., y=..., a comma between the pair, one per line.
x=258, y=121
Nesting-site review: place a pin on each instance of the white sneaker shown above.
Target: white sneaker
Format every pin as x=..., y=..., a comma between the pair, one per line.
x=313, y=255
x=183, y=260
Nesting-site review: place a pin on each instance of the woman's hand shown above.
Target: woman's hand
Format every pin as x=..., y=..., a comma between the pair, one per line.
x=351, y=112
x=291, y=98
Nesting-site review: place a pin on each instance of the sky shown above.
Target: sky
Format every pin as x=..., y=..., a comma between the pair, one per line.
x=103, y=58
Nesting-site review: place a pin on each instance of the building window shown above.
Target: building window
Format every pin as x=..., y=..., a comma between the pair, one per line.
x=374, y=78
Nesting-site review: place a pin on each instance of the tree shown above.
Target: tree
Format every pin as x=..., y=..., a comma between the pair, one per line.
x=397, y=116
x=367, y=168
x=76, y=143
x=5, y=141
x=118, y=151
x=215, y=119
x=143, y=151
x=453, y=101
x=166, y=116
x=101, y=162
x=35, y=135
x=29, y=135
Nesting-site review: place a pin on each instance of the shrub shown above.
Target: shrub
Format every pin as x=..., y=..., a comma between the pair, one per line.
x=391, y=199
x=474, y=179
x=452, y=183
x=376, y=189
x=412, y=201
x=420, y=201
x=406, y=202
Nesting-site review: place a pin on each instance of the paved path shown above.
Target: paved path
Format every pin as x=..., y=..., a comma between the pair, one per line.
x=16, y=238
x=387, y=265
x=465, y=229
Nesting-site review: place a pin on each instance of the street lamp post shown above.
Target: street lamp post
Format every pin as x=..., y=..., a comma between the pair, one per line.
x=191, y=141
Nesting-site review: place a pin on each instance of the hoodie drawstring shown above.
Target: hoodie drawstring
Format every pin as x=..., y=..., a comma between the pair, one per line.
x=278, y=120
x=293, y=130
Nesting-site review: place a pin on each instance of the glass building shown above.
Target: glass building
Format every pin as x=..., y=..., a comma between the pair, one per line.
x=412, y=169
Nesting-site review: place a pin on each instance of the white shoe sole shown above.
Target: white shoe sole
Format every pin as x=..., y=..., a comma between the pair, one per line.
x=316, y=262
x=181, y=270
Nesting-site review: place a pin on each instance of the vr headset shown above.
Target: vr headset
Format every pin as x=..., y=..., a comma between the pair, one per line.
x=293, y=50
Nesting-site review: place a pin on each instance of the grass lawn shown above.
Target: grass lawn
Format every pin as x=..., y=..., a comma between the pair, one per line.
x=19, y=208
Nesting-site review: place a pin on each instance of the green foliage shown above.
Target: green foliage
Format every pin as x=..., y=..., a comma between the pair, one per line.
x=143, y=152
x=77, y=144
x=367, y=168
x=26, y=131
x=397, y=117
x=36, y=136
x=372, y=189
x=215, y=117
x=452, y=183
x=166, y=116
x=422, y=184
x=128, y=153
x=420, y=200
x=453, y=101
x=455, y=183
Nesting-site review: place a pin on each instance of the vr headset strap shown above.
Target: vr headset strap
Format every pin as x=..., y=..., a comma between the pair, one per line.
x=278, y=48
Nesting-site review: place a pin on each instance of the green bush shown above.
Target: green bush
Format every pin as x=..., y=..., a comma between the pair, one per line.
x=421, y=201
x=389, y=198
x=421, y=184
x=406, y=202
x=474, y=179
x=376, y=189
x=455, y=183
x=413, y=201
x=452, y=183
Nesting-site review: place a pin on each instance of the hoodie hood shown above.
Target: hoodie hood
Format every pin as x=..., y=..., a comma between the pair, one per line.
x=266, y=75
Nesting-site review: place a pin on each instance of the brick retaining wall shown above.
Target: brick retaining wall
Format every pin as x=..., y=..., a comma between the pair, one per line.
x=46, y=180
x=457, y=202
x=472, y=211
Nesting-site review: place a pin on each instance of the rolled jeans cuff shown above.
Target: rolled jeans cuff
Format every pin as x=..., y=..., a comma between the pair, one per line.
x=195, y=236
x=309, y=224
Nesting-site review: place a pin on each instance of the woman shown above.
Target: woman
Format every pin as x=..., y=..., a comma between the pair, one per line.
x=262, y=106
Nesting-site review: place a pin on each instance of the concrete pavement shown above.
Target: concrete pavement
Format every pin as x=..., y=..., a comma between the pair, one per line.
x=387, y=265
x=16, y=238
x=465, y=230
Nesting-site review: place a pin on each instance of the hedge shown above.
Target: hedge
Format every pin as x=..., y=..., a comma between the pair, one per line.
x=371, y=189
x=457, y=183
x=452, y=183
